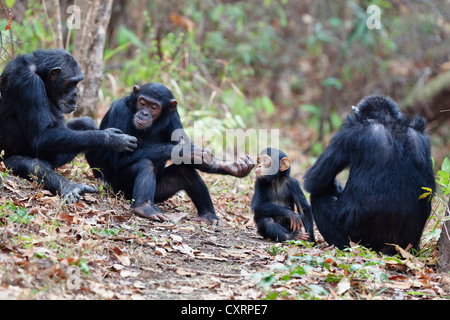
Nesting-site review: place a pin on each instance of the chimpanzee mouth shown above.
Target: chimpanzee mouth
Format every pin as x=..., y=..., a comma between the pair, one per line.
x=67, y=108
x=141, y=125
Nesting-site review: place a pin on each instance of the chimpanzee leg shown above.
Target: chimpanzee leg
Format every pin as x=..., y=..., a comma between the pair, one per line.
x=32, y=168
x=184, y=177
x=328, y=219
x=138, y=181
x=325, y=214
x=270, y=229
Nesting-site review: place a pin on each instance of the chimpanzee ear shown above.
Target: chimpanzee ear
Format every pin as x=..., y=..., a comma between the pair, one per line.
x=54, y=73
x=285, y=164
x=173, y=106
x=136, y=89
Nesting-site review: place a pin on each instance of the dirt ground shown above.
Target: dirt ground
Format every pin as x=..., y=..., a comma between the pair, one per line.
x=119, y=255
x=97, y=249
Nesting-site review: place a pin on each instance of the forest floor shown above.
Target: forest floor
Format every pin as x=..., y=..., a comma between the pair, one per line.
x=98, y=249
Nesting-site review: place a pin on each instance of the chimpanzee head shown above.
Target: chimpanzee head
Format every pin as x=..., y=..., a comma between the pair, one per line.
x=377, y=107
x=272, y=163
x=60, y=73
x=151, y=103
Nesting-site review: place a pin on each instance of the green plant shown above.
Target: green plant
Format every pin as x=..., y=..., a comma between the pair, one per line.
x=15, y=213
x=353, y=265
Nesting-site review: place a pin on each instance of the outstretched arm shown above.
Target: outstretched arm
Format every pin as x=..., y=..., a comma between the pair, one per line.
x=240, y=168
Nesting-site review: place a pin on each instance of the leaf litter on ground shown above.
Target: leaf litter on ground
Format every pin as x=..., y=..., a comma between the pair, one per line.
x=118, y=255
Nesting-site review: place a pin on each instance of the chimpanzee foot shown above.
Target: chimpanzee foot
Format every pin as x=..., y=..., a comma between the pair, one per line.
x=298, y=235
x=72, y=192
x=209, y=218
x=150, y=212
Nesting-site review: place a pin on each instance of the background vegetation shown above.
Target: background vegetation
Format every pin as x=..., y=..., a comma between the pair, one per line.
x=268, y=63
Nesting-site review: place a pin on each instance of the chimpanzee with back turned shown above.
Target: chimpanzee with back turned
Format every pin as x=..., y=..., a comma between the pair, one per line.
x=277, y=196
x=389, y=158
x=150, y=114
x=36, y=90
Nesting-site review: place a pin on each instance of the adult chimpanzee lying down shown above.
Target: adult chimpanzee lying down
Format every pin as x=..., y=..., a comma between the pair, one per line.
x=150, y=114
x=276, y=196
x=36, y=89
x=390, y=161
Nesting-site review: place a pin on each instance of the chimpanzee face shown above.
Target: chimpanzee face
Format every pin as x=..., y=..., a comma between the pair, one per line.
x=153, y=102
x=266, y=166
x=262, y=165
x=147, y=111
x=63, y=90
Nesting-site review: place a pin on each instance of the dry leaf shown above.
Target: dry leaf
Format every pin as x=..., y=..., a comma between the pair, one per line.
x=184, y=248
x=160, y=251
x=121, y=256
x=185, y=273
x=343, y=285
x=175, y=238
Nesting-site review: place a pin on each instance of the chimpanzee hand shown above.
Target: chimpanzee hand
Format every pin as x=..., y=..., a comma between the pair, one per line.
x=72, y=192
x=200, y=155
x=296, y=221
x=240, y=168
x=191, y=154
x=119, y=141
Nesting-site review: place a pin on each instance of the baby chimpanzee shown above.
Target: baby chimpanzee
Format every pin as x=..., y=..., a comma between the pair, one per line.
x=276, y=196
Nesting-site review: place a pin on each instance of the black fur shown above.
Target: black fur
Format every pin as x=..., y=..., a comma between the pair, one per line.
x=36, y=90
x=143, y=175
x=274, y=202
x=389, y=159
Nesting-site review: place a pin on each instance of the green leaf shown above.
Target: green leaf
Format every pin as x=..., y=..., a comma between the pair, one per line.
x=446, y=165
x=332, y=82
x=443, y=174
x=10, y=3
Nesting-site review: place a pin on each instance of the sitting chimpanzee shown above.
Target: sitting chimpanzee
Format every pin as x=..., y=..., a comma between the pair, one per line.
x=36, y=89
x=276, y=197
x=389, y=159
x=150, y=114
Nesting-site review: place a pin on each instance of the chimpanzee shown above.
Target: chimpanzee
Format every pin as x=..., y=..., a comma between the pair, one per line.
x=276, y=197
x=150, y=114
x=389, y=161
x=36, y=89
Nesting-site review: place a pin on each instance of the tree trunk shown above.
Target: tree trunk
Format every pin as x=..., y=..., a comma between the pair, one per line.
x=91, y=56
x=59, y=37
x=431, y=101
x=444, y=246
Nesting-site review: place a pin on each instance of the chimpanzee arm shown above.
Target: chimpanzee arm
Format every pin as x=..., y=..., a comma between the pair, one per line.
x=65, y=140
x=42, y=123
x=303, y=208
x=320, y=177
x=240, y=168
